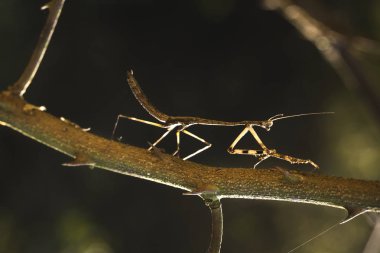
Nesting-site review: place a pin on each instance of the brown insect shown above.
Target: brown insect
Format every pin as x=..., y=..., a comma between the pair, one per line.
x=180, y=124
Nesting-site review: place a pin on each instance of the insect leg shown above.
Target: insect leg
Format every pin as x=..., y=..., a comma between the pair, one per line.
x=256, y=153
x=294, y=160
x=120, y=116
x=178, y=136
x=261, y=159
x=257, y=138
x=208, y=145
x=262, y=155
x=231, y=148
x=162, y=137
x=146, y=122
x=273, y=153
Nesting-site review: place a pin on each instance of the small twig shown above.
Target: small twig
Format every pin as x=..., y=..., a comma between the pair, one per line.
x=209, y=193
x=21, y=85
x=216, y=223
x=333, y=46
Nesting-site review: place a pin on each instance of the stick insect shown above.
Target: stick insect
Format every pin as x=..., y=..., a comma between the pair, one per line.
x=179, y=124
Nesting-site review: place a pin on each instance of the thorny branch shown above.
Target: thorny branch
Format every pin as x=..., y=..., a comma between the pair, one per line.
x=335, y=48
x=22, y=84
x=211, y=183
x=356, y=196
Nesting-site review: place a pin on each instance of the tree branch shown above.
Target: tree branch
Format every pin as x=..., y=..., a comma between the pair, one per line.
x=22, y=84
x=356, y=196
x=216, y=225
x=334, y=47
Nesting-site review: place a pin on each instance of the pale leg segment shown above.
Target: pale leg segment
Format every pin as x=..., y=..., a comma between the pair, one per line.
x=208, y=145
x=178, y=137
x=171, y=128
x=121, y=116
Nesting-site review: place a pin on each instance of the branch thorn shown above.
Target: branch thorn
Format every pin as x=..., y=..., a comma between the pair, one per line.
x=74, y=124
x=80, y=160
x=28, y=108
x=204, y=191
x=353, y=212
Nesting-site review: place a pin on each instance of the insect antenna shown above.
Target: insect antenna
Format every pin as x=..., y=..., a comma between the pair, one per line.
x=281, y=116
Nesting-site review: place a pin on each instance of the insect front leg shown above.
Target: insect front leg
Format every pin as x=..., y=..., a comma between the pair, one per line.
x=262, y=155
x=121, y=116
x=256, y=153
x=295, y=160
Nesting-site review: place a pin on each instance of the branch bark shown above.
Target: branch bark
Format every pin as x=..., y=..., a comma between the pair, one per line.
x=356, y=196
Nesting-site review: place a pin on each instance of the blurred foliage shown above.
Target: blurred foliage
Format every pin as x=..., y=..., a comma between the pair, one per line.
x=227, y=60
x=78, y=234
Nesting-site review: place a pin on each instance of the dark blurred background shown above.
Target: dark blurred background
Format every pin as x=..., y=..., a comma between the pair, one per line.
x=228, y=60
